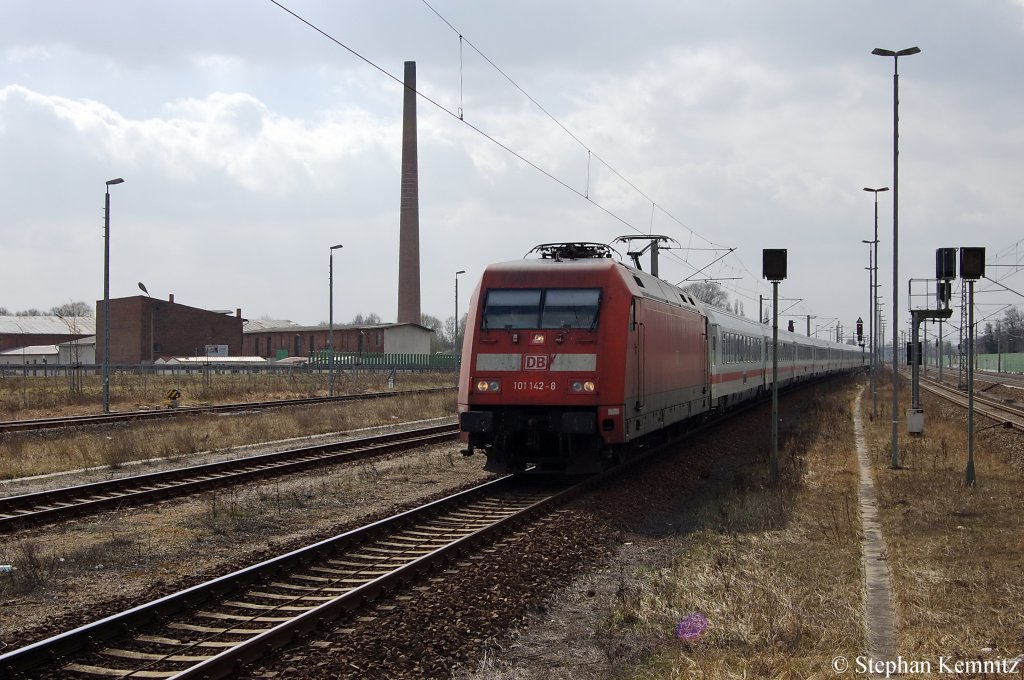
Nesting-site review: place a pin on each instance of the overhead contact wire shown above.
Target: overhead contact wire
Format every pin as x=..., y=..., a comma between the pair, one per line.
x=459, y=116
x=565, y=129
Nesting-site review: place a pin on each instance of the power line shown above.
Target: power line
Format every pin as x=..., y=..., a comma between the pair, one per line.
x=459, y=115
x=590, y=152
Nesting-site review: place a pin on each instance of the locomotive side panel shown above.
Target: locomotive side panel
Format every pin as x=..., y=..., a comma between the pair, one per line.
x=668, y=374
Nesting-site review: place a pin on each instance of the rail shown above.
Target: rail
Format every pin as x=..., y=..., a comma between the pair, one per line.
x=17, y=512
x=210, y=630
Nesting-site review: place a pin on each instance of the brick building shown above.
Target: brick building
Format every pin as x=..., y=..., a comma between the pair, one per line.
x=290, y=340
x=144, y=329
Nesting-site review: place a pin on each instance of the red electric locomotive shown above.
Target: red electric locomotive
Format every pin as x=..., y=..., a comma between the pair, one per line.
x=571, y=358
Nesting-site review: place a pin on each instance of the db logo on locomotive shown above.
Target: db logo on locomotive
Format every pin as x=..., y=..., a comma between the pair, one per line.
x=536, y=362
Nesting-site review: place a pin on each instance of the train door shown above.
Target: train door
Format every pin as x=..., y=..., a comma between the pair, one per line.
x=766, y=363
x=713, y=361
x=638, y=349
x=707, y=359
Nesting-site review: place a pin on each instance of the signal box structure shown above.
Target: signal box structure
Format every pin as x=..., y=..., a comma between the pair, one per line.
x=929, y=299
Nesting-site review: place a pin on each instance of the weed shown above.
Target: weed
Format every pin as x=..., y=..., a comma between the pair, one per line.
x=183, y=436
x=954, y=551
x=779, y=603
x=368, y=472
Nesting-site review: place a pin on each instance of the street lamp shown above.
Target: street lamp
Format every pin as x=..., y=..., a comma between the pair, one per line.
x=330, y=327
x=152, y=310
x=455, y=329
x=106, y=295
x=875, y=359
x=895, y=235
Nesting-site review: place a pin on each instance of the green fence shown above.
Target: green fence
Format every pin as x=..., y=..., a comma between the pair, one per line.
x=373, y=360
x=1006, y=363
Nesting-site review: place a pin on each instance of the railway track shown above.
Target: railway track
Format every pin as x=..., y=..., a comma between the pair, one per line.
x=17, y=512
x=1009, y=416
x=213, y=629
x=40, y=424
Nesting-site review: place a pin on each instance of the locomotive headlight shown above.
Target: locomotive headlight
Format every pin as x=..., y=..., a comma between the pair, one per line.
x=489, y=386
x=582, y=386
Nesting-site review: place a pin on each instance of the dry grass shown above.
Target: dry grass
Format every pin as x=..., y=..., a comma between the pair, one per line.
x=161, y=540
x=955, y=552
x=22, y=456
x=23, y=397
x=775, y=569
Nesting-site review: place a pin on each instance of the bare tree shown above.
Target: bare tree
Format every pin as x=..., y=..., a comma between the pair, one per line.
x=438, y=340
x=72, y=309
x=1005, y=334
x=368, y=320
x=710, y=293
x=1013, y=325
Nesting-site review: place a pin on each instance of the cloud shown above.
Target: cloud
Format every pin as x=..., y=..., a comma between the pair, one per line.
x=229, y=134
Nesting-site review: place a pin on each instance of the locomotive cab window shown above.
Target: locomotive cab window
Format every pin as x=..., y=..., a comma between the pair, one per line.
x=522, y=308
x=570, y=308
x=512, y=308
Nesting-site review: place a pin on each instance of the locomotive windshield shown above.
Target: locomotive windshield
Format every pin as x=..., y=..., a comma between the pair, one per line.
x=521, y=308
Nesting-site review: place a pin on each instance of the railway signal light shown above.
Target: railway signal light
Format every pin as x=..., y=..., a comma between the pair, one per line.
x=910, y=353
x=945, y=263
x=972, y=263
x=773, y=263
x=860, y=331
x=773, y=268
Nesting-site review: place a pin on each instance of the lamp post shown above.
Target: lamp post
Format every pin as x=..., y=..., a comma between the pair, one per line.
x=330, y=322
x=871, y=309
x=106, y=294
x=874, y=311
x=871, y=314
x=455, y=329
x=878, y=51
x=152, y=310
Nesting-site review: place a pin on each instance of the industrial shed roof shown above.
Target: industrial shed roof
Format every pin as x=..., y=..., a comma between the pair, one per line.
x=255, y=325
x=210, y=360
x=47, y=325
x=80, y=342
x=289, y=326
x=31, y=349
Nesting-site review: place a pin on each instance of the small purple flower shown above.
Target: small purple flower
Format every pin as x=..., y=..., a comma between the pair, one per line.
x=691, y=627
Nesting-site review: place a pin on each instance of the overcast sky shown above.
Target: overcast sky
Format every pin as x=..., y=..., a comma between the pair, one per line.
x=249, y=143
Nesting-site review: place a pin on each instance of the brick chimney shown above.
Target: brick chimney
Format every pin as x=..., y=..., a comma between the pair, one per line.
x=409, y=214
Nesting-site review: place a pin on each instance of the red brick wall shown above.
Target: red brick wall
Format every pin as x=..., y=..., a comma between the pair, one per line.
x=144, y=329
